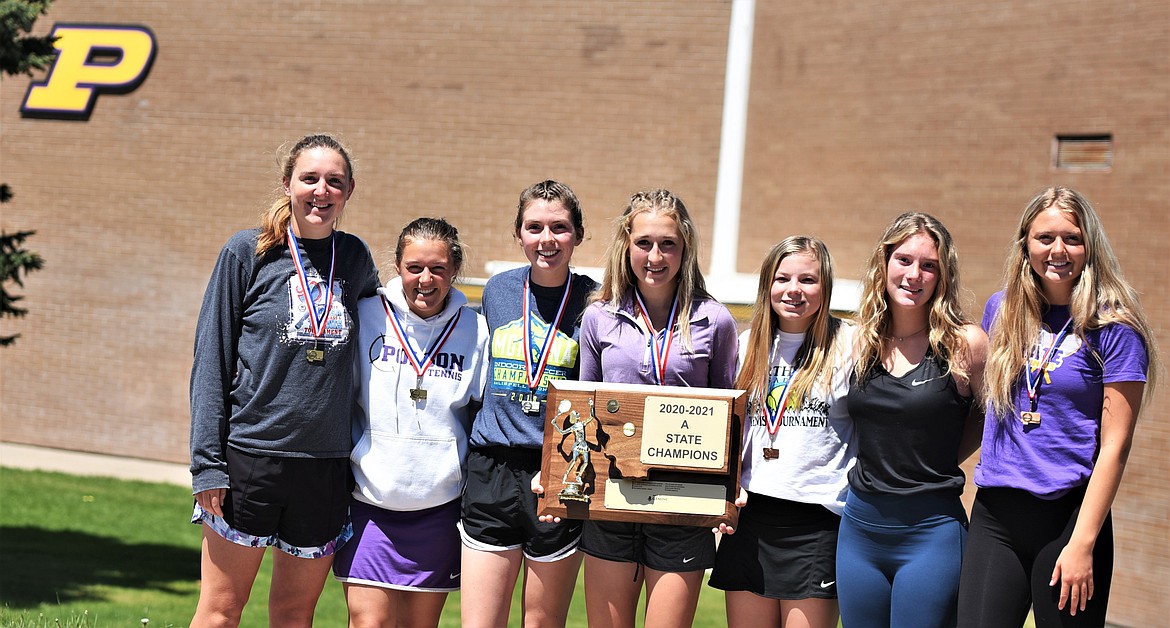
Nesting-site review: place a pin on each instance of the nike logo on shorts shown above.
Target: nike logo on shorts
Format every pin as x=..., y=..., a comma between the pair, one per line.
x=456, y=575
x=825, y=585
x=687, y=560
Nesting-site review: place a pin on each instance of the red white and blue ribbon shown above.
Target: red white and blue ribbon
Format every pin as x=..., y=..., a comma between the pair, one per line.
x=317, y=318
x=534, y=365
x=1040, y=370
x=774, y=415
x=420, y=366
x=659, y=349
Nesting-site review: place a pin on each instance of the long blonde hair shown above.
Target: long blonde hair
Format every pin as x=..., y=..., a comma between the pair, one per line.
x=275, y=219
x=816, y=351
x=1100, y=296
x=619, y=281
x=946, y=319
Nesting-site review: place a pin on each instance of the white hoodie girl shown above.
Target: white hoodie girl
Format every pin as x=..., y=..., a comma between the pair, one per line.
x=411, y=449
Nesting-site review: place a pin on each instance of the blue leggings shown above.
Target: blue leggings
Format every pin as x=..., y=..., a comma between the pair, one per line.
x=898, y=560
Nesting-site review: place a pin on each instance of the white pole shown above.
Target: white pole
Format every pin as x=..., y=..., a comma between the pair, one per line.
x=729, y=185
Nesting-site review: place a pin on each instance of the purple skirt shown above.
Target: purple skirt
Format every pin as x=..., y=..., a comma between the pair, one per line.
x=415, y=550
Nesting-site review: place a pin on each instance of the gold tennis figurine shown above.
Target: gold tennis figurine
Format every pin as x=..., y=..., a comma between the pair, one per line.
x=579, y=460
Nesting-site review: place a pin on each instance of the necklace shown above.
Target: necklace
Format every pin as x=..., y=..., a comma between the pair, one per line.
x=1035, y=370
x=536, y=357
x=659, y=349
x=318, y=318
x=901, y=338
x=420, y=365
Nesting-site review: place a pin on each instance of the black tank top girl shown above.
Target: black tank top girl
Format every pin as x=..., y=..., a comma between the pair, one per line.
x=908, y=430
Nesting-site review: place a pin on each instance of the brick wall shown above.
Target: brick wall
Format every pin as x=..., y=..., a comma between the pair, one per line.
x=860, y=111
x=450, y=110
x=857, y=112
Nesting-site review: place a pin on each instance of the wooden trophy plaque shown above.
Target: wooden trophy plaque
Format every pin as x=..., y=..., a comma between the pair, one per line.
x=640, y=453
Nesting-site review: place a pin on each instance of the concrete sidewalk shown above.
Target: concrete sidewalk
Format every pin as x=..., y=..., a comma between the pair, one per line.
x=78, y=463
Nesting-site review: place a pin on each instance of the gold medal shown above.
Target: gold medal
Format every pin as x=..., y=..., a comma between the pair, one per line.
x=1030, y=418
x=315, y=356
x=418, y=393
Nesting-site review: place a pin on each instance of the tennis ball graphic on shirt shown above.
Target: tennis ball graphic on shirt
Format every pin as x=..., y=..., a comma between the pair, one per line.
x=774, y=396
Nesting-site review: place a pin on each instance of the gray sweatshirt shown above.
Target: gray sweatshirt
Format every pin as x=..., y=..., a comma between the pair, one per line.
x=252, y=386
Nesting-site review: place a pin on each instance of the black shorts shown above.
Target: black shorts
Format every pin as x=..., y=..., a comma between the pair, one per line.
x=781, y=549
x=499, y=508
x=300, y=502
x=676, y=549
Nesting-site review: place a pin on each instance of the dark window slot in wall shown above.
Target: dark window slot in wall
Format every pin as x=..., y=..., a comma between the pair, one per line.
x=1083, y=152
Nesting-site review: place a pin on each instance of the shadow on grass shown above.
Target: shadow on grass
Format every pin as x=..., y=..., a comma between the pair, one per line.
x=57, y=566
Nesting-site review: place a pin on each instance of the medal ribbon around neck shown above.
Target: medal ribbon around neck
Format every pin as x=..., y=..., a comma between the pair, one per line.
x=535, y=371
x=1040, y=370
x=420, y=366
x=774, y=416
x=659, y=349
x=316, y=319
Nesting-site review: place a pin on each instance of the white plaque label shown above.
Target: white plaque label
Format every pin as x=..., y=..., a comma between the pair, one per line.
x=667, y=497
x=684, y=432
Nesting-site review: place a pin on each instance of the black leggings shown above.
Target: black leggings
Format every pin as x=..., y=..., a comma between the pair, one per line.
x=1012, y=547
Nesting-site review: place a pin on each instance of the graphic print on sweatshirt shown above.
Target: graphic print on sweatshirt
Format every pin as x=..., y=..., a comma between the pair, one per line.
x=508, y=371
x=299, y=328
x=387, y=355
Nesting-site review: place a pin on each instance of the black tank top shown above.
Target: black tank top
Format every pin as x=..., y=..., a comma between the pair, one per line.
x=908, y=430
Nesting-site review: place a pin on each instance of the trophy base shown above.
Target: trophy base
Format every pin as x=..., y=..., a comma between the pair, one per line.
x=573, y=498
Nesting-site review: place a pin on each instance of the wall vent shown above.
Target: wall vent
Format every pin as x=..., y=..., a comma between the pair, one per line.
x=1083, y=152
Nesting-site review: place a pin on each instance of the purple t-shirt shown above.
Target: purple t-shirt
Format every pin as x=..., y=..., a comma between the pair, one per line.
x=1058, y=455
x=615, y=349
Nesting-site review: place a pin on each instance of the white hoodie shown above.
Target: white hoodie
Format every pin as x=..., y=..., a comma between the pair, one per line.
x=411, y=454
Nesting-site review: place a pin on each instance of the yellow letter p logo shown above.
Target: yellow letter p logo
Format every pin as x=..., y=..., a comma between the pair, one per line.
x=91, y=60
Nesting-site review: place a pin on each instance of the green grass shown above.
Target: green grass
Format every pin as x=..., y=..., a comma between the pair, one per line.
x=82, y=552
x=95, y=552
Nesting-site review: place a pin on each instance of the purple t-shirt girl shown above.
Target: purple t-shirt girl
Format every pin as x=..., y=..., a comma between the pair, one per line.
x=1050, y=458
